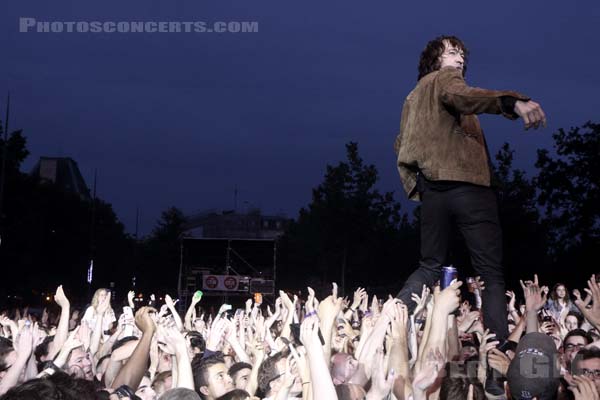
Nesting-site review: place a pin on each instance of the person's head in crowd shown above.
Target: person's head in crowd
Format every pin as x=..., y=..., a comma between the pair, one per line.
x=58, y=386
x=211, y=379
x=573, y=321
x=349, y=391
x=468, y=350
x=271, y=376
x=343, y=367
x=144, y=390
x=196, y=342
x=240, y=373
x=162, y=382
x=179, y=394
x=99, y=295
x=8, y=355
x=235, y=394
x=557, y=340
x=79, y=364
x=574, y=341
x=587, y=363
x=41, y=350
x=165, y=361
x=511, y=326
x=456, y=382
x=560, y=293
x=594, y=334
x=535, y=369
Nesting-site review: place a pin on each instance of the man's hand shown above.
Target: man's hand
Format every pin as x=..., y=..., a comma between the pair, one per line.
x=60, y=298
x=144, y=321
x=531, y=112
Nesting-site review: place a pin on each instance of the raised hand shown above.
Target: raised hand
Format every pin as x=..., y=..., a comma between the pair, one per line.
x=144, y=321
x=381, y=385
x=359, y=295
x=498, y=361
x=486, y=345
x=130, y=296
x=534, y=297
x=309, y=334
x=217, y=332
x=60, y=298
x=593, y=295
x=421, y=301
x=169, y=301
x=173, y=339
x=512, y=299
x=448, y=299
x=24, y=343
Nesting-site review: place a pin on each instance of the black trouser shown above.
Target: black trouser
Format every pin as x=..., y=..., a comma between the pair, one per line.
x=474, y=210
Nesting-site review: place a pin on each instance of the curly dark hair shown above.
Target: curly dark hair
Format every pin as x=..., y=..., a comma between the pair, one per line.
x=430, y=57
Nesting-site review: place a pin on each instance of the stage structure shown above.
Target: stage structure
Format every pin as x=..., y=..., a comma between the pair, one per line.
x=229, y=254
x=227, y=267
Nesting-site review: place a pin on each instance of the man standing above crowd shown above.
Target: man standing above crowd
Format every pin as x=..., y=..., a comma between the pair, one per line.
x=443, y=161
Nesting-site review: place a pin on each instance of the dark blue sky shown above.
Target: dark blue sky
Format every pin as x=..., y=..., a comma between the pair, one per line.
x=182, y=118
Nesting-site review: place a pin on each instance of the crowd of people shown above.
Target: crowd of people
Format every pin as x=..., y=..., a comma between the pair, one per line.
x=302, y=347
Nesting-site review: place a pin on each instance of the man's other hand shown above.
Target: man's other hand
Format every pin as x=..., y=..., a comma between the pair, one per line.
x=531, y=112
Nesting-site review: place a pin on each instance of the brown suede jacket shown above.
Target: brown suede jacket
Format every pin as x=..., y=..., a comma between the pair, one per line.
x=440, y=135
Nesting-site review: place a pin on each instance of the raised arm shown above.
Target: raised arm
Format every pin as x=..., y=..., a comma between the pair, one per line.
x=171, y=305
x=176, y=343
x=132, y=372
x=534, y=301
x=62, y=331
x=24, y=343
x=321, y=383
x=192, y=310
x=446, y=302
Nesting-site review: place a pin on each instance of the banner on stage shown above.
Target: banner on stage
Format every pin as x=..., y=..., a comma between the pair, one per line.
x=221, y=282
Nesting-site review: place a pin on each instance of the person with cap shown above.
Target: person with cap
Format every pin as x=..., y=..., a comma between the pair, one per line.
x=535, y=370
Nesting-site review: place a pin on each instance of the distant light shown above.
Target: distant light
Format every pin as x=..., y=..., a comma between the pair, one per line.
x=47, y=298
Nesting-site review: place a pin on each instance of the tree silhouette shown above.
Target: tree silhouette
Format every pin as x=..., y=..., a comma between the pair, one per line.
x=350, y=232
x=569, y=185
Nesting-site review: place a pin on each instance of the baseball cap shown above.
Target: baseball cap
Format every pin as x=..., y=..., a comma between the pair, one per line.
x=534, y=372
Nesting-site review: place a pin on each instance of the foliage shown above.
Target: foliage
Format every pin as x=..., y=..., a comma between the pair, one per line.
x=350, y=232
x=569, y=185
